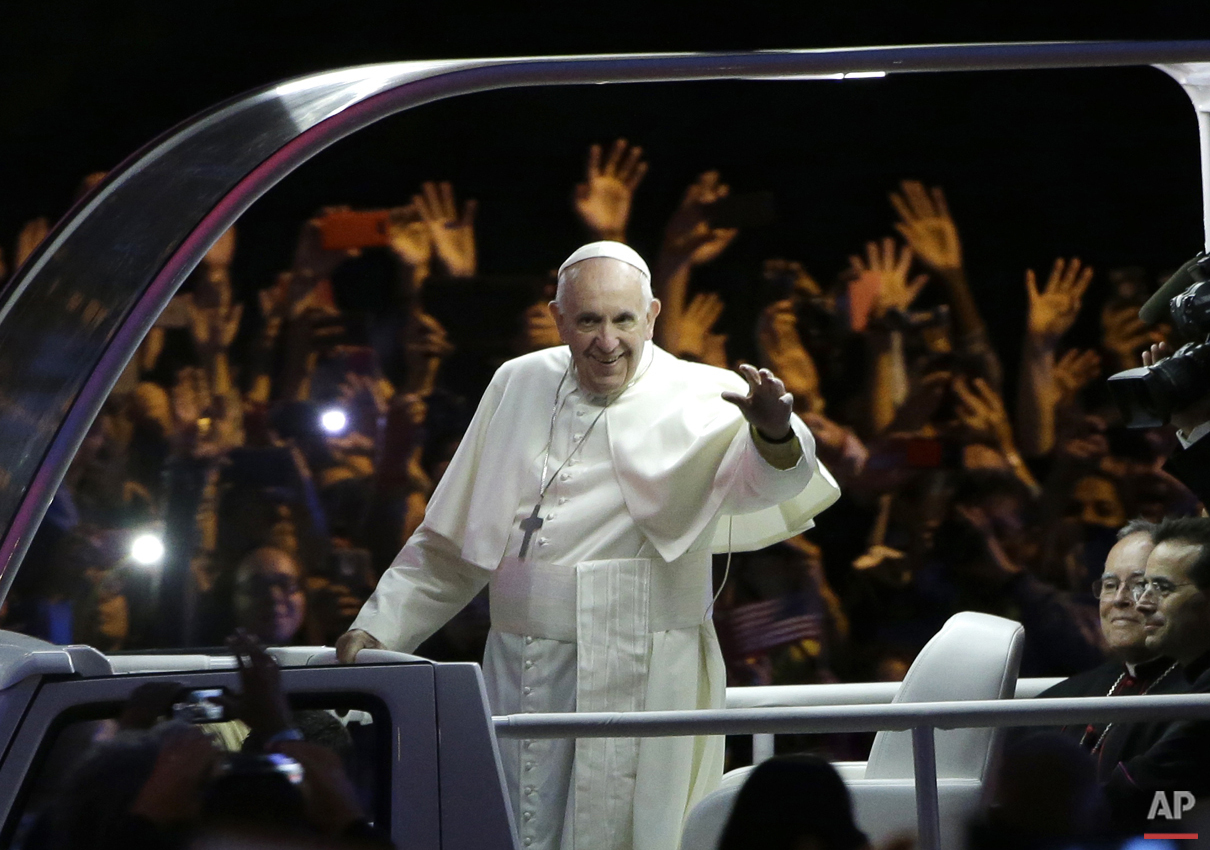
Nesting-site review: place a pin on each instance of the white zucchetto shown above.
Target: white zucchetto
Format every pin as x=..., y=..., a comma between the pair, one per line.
x=612, y=250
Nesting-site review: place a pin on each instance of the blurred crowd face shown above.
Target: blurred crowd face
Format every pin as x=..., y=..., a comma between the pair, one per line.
x=1176, y=615
x=606, y=321
x=1121, y=621
x=1098, y=503
x=269, y=599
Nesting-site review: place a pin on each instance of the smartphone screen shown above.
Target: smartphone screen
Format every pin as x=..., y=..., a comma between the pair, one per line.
x=347, y=229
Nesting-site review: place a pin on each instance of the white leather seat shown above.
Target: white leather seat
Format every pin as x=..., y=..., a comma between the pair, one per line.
x=973, y=657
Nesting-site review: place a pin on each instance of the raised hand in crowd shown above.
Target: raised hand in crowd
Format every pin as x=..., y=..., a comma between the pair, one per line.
x=886, y=274
x=427, y=346
x=30, y=237
x=604, y=199
x=695, y=341
x=689, y=240
x=883, y=278
x=689, y=237
x=1074, y=371
x=412, y=242
x=538, y=329
x=1052, y=312
x=781, y=350
x=453, y=235
x=981, y=411
x=927, y=226
x=1125, y=336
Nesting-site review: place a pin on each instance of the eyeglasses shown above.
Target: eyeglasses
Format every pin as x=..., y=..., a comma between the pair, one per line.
x=1109, y=586
x=1161, y=588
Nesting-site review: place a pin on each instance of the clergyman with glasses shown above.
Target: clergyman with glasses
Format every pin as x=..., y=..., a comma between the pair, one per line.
x=1174, y=600
x=1132, y=669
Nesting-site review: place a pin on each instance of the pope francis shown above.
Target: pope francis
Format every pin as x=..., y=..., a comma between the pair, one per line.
x=589, y=492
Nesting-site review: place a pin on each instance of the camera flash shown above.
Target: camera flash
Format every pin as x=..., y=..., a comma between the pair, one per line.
x=147, y=549
x=333, y=421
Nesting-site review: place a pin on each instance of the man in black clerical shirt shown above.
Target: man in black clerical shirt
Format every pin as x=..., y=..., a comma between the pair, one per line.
x=1132, y=668
x=1174, y=599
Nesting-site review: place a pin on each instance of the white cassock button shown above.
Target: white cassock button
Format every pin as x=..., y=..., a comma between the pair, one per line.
x=550, y=515
x=528, y=664
x=529, y=790
x=542, y=541
x=529, y=639
x=577, y=437
x=528, y=745
x=529, y=765
x=579, y=413
x=563, y=476
x=527, y=816
x=528, y=841
x=562, y=500
x=527, y=691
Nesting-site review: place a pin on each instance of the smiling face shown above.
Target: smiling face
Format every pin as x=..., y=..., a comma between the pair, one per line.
x=1177, y=619
x=1121, y=622
x=605, y=319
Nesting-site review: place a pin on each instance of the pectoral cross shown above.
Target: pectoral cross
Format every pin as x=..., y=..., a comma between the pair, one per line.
x=529, y=525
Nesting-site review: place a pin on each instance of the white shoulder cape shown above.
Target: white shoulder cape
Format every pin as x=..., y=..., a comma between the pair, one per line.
x=676, y=448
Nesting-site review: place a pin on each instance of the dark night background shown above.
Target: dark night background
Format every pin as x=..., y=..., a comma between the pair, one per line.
x=1102, y=164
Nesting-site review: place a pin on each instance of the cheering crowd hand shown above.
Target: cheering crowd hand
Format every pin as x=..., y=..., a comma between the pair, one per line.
x=354, y=641
x=262, y=705
x=802, y=284
x=538, y=329
x=1074, y=371
x=782, y=351
x=1053, y=311
x=703, y=311
x=688, y=237
x=926, y=224
x=767, y=406
x=1125, y=334
x=453, y=234
x=603, y=200
x=982, y=411
x=410, y=239
x=895, y=292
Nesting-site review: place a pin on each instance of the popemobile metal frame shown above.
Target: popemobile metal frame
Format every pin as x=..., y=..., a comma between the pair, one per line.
x=74, y=314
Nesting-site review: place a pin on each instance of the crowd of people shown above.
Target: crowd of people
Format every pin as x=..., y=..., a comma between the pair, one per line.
x=283, y=448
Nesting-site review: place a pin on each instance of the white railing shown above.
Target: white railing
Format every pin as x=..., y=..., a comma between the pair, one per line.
x=922, y=718
x=846, y=693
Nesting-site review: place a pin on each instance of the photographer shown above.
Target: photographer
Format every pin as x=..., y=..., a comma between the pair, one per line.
x=161, y=784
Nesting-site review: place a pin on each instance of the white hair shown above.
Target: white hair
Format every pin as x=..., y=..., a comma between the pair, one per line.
x=568, y=274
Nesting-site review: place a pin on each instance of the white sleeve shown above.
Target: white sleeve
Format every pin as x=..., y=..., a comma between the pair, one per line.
x=753, y=484
x=426, y=585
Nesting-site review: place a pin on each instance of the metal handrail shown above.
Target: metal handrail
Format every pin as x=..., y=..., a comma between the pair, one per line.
x=922, y=718
x=854, y=718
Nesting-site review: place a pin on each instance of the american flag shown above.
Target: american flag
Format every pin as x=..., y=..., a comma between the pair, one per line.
x=760, y=626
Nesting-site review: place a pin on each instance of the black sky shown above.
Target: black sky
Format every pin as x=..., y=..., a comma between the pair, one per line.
x=1102, y=164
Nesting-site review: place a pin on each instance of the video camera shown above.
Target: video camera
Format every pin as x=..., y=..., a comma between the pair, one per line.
x=1147, y=396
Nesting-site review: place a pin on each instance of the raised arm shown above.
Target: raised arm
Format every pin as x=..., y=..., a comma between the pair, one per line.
x=689, y=240
x=925, y=222
x=885, y=272
x=1052, y=312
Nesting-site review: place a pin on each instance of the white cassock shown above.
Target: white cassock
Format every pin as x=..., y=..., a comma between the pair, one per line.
x=610, y=610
